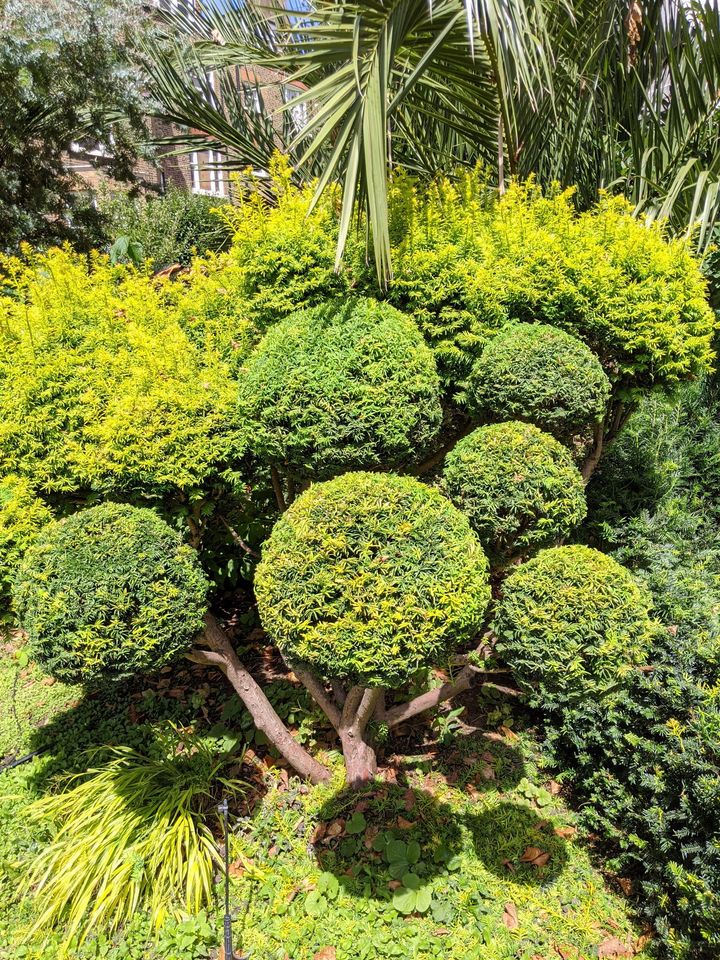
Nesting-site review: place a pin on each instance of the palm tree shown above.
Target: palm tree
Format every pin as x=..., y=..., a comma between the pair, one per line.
x=609, y=94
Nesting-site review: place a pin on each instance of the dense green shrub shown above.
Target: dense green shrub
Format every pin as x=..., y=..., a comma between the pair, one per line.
x=465, y=263
x=517, y=485
x=169, y=229
x=541, y=374
x=284, y=255
x=572, y=623
x=109, y=592
x=101, y=388
x=338, y=388
x=370, y=577
x=644, y=769
x=22, y=515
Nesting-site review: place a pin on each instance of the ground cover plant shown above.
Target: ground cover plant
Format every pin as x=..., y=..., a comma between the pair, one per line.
x=394, y=474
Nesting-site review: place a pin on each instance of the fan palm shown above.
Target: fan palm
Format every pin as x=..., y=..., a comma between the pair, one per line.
x=599, y=95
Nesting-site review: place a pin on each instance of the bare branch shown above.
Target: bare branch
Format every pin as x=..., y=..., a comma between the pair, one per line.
x=238, y=539
x=351, y=705
x=317, y=691
x=277, y=487
x=367, y=707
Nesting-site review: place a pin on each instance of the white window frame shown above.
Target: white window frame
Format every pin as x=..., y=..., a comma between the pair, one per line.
x=217, y=183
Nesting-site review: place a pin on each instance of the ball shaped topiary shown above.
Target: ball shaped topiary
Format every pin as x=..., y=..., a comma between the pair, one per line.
x=109, y=592
x=572, y=622
x=370, y=576
x=341, y=387
x=535, y=372
x=517, y=485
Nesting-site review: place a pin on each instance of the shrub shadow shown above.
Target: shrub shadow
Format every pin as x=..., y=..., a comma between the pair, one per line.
x=373, y=840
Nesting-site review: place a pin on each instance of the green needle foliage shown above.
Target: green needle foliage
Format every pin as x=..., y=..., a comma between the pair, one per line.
x=371, y=577
x=22, y=515
x=109, y=592
x=572, y=623
x=129, y=834
x=518, y=487
x=341, y=387
x=539, y=373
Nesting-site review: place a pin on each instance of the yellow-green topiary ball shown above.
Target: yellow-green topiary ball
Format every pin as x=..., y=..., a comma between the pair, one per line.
x=572, y=622
x=371, y=576
x=517, y=485
x=109, y=592
x=341, y=387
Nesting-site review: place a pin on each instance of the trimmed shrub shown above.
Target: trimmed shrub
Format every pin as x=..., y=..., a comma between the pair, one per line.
x=22, y=515
x=109, y=592
x=572, y=623
x=341, y=388
x=370, y=577
x=517, y=485
x=539, y=373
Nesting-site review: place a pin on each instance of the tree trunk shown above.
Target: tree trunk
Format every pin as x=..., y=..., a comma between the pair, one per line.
x=222, y=655
x=360, y=759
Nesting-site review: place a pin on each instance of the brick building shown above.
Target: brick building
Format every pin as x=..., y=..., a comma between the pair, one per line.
x=200, y=171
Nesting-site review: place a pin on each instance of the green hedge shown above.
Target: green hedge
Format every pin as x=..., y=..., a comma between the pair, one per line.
x=370, y=577
x=107, y=593
x=22, y=516
x=341, y=387
x=517, y=485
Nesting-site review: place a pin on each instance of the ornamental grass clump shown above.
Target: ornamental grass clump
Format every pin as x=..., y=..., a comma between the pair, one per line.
x=517, y=485
x=537, y=373
x=340, y=387
x=573, y=623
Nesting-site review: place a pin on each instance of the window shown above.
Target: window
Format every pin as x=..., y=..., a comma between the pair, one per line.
x=299, y=113
x=251, y=97
x=207, y=176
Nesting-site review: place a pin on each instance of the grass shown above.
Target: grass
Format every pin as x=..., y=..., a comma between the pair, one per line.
x=464, y=850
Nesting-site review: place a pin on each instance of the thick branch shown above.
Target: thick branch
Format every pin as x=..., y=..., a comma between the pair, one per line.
x=238, y=539
x=338, y=692
x=430, y=699
x=593, y=459
x=351, y=706
x=317, y=691
x=277, y=487
x=370, y=699
x=222, y=655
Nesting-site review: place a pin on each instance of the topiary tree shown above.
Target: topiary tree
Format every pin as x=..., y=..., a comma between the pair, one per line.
x=340, y=387
x=541, y=374
x=518, y=487
x=365, y=580
x=573, y=623
x=113, y=384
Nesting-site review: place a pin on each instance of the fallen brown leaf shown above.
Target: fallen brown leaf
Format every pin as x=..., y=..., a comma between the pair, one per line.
x=535, y=856
x=404, y=824
x=394, y=884
x=327, y=953
x=441, y=932
x=614, y=947
x=318, y=833
x=566, y=833
x=510, y=917
x=509, y=734
x=409, y=800
x=336, y=828
x=236, y=869
x=370, y=835
x=554, y=787
x=626, y=885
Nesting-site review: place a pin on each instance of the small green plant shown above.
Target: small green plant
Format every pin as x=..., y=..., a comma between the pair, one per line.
x=447, y=724
x=130, y=834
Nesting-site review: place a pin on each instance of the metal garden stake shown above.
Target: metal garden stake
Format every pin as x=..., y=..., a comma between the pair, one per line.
x=229, y=954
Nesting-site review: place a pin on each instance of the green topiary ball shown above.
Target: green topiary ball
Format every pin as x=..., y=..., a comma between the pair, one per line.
x=517, y=485
x=572, y=622
x=109, y=592
x=535, y=372
x=341, y=387
x=371, y=576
